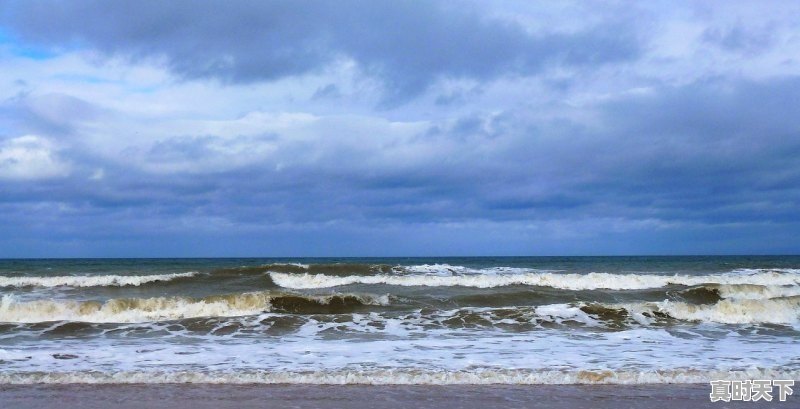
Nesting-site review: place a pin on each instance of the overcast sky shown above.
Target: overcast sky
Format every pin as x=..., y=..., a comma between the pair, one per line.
x=371, y=128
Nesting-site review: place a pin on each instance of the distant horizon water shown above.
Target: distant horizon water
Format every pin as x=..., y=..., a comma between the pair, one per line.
x=400, y=257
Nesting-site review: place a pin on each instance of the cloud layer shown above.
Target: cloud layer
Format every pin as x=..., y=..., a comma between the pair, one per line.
x=404, y=46
x=390, y=128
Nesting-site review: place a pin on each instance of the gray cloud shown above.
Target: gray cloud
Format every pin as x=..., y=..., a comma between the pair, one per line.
x=328, y=91
x=701, y=153
x=739, y=38
x=604, y=155
x=406, y=45
x=51, y=113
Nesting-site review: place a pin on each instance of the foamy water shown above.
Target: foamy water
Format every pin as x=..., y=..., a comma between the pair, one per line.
x=130, y=310
x=494, y=278
x=400, y=322
x=89, y=281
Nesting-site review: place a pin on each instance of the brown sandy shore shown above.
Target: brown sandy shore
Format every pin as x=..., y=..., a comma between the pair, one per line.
x=200, y=396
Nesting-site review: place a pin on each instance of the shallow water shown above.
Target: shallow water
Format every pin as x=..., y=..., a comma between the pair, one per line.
x=202, y=396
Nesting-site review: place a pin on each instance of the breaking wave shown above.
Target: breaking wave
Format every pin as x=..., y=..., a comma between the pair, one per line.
x=90, y=281
x=322, y=268
x=567, y=281
x=784, y=311
x=356, y=314
x=131, y=310
x=397, y=377
x=754, y=291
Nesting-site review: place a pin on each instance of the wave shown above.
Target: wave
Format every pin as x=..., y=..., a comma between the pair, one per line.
x=785, y=311
x=567, y=281
x=755, y=291
x=331, y=268
x=260, y=269
x=131, y=310
x=398, y=377
x=712, y=293
x=448, y=269
x=346, y=315
x=781, y=311
x=362, y=269
x=90, y=281
x=506, y=318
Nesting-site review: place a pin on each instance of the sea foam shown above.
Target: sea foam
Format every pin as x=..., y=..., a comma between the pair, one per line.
x=130, y=310
x=396, y=377
x=89, y=280
x=567, y=281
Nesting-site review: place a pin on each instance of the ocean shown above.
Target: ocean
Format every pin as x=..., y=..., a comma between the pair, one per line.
x=400, y=321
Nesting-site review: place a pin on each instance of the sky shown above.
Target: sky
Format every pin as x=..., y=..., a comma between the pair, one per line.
x=398, y=128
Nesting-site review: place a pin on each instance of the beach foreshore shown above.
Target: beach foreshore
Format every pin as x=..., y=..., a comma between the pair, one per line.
x=200, y=396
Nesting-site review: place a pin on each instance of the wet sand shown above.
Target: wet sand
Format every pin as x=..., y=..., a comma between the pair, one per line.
x=201, y=396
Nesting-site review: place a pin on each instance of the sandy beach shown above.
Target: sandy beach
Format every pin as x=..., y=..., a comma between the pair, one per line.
x=201, y=396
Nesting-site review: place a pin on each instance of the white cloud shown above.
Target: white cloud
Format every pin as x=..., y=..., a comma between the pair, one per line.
x=98, y=174
x=30, y=157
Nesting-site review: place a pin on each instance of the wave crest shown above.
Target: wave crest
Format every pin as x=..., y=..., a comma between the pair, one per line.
x=131, y=310
x=785, y=311
x=567, y=281
x=90, y=281
x=398, y=377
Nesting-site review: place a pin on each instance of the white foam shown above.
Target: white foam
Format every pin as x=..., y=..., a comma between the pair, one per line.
x=439, y=269
x=146, y=309
x=568, y=281
x=755, y=292
x=129, y=310
x=761, y=270
x=396, y=377
x=743, y=311
x=559, y=313
x=89, y=280
x=299, y=265
x=403, y=354
x=471, y=317
x=449, y=270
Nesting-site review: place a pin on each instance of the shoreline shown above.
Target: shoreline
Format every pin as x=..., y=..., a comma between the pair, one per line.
x=242, y=396
x=393, y=377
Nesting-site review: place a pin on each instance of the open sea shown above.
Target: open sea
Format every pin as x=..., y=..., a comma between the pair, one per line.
x=505, y=320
